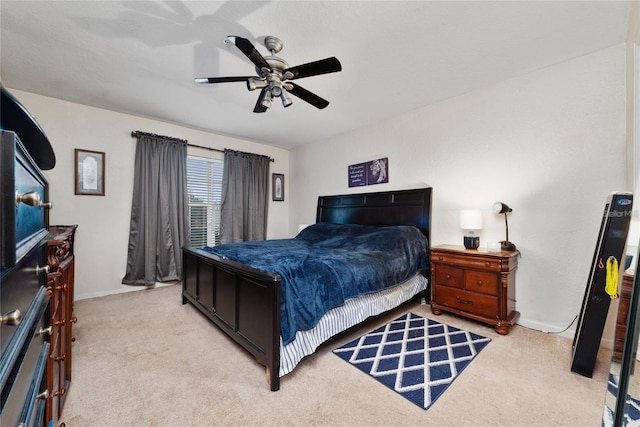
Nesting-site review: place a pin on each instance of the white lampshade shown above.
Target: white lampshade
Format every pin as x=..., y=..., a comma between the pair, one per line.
x=471, y=219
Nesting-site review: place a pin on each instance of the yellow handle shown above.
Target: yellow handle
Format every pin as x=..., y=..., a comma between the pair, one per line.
x=611, y=286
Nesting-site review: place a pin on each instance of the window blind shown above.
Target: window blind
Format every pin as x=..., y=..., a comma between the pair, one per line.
x=204, y=185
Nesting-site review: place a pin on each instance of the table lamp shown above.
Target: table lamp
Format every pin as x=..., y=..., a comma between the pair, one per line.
x=501, y=208
x=471, y=220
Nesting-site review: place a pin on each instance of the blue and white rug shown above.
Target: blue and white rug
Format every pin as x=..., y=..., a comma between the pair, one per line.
x=631, y=409
x=416, y=357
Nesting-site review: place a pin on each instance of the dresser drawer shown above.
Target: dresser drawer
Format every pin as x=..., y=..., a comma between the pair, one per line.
x=27, y=398
x=479, y=281
x=22, y=201
x=449, y=276
x=18, y=289
x=32, y=322
x=23, y=375
x=479, y=304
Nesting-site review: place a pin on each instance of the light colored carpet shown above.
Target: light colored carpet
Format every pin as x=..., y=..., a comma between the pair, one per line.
x=144, y=359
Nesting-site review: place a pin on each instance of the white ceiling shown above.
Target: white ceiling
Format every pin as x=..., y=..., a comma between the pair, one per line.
x=140, y=57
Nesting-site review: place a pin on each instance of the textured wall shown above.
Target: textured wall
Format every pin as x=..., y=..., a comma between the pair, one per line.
x=103, y=231
x=551, y=144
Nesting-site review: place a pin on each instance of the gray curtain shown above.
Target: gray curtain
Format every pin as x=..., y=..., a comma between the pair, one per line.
x=245, y=194
x=159, y=211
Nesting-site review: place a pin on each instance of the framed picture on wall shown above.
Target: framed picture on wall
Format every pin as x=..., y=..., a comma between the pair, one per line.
x=89, y=179
x=277, y=187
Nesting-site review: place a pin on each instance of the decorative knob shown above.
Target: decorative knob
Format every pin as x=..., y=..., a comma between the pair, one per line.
x=74, y=319
x=43, y=395
x=39, y=270
x=60, y=392
x=44, y=331
x=32, y=199
x=60, y=358
x=12, y=318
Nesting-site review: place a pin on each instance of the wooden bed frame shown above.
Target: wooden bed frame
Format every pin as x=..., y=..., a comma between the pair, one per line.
x=245, y=302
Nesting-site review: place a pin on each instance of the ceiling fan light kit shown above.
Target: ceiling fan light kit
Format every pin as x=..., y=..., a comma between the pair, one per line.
x=274, y=74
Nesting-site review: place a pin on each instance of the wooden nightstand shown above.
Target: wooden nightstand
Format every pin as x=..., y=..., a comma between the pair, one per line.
x=623, y=313
x=476, y=284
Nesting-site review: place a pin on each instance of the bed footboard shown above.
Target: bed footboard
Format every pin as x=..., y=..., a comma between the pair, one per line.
x=242, y=301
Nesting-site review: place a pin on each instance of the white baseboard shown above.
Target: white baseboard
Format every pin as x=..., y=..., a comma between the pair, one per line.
x=121, y=290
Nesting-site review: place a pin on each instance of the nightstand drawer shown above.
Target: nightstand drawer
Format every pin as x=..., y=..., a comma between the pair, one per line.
x=471, y=302
x=479, y=281
x=448, y=276
x=469, y=261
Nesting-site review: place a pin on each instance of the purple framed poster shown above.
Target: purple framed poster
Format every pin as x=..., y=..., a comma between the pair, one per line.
x=369, y=173
x=358, y=175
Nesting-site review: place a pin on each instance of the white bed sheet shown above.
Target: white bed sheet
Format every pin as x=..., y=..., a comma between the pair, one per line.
x=339, y=319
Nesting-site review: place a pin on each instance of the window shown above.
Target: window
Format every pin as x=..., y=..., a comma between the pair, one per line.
x=204, y=185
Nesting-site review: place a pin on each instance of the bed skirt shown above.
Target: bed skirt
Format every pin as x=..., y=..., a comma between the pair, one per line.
x=339, y=319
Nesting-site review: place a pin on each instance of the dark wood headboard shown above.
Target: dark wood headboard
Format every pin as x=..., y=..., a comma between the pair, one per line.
x=401, y=207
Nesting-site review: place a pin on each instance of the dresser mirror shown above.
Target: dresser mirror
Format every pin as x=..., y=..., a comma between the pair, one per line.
x=622, y=398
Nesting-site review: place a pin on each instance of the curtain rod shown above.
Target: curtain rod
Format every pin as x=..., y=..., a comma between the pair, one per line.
x=136, y=133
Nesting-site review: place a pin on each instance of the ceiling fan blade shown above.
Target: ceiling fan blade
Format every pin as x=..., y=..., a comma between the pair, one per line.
x=307, y=96
x=323, y=66
x=249, y=51
x=223, y=79
x=259, y=108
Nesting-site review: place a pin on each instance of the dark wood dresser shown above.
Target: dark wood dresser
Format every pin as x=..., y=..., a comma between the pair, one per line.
x=476, y=284
x=61, y=261
x=36, y=277
x=24, y=298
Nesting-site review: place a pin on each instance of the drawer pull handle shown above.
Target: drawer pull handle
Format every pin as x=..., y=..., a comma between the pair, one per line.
x=43, y=395
x=32, y=199
x=74, y=319
x=479, y=283
x=44, y=331
x=39, y=270
x=448, y=276
x=461, y=301
x=12, y=318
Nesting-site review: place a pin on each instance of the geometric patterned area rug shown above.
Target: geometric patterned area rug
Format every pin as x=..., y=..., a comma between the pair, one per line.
x=631, y=416
x=416, y=357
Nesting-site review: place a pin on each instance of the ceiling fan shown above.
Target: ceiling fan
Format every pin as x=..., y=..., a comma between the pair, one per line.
x=274, y=74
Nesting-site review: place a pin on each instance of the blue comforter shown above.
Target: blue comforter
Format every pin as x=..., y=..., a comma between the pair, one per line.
x=326, y=264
